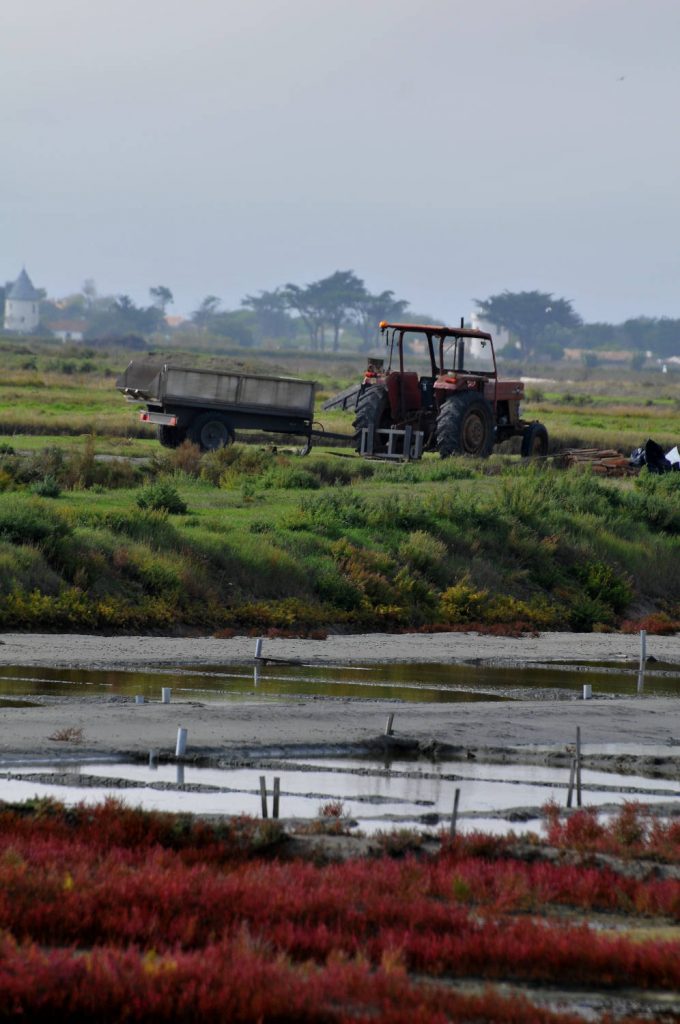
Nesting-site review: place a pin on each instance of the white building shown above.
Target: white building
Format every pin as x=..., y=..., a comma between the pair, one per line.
x=22, y=309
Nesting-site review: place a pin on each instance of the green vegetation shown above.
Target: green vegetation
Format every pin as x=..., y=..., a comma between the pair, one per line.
x=101, y=529
x=246, y=538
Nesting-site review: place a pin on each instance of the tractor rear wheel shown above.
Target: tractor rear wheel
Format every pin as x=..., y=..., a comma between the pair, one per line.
x=372, y=410
x=465, y=426
x=534, y=441
x=210, y=431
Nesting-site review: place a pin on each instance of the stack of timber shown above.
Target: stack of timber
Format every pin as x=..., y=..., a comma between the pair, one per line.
x=603, y=461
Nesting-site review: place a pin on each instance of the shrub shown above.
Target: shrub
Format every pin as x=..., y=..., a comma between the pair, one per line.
x=423, y=551
x=162, y=497
x=290, y=478
x=32, y=523
x=462, y=603
x=187, y=458
x=46, y=488
x=601, y=583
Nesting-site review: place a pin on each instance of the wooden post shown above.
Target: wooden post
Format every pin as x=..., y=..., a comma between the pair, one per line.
x=578, y=765
x=454, y=813
x=263, y=795
x=572, y=776
x=388, y=725
x=275, y=803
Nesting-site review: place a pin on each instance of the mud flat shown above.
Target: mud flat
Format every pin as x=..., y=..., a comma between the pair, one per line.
x=87, y=651
x=53, y=726
x=638, y=727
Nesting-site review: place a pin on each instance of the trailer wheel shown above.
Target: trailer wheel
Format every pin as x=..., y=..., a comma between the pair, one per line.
x=372, y=410
x=170, y=437
x=210, y=431
x=465, y=426
x=534, y=441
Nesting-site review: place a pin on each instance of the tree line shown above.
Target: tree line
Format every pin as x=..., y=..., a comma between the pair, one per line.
x=541, y=325
x=316, y=314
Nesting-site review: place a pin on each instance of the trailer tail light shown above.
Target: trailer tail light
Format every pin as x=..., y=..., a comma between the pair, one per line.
x=450, y=380
x=169, y=421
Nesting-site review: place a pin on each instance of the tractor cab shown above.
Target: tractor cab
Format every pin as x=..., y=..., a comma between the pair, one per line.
x=458, y=404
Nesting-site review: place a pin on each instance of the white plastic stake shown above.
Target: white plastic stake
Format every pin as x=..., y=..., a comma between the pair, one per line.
x=166, y=693
x=587, y=691
x=258, y=647
x=139, y=698
x=643, y=661
x=181, y=748
x=388, y=725
x=180, y=774
x=153, y=759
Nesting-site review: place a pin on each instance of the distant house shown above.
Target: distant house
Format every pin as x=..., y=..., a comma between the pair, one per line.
x=22, y=309
x=603, y=355
x=68, y=330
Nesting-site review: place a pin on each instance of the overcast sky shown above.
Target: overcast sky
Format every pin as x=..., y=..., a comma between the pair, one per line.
x=441, y=148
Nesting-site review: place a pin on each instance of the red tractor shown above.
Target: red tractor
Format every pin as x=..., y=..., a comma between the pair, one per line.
x=461, y=407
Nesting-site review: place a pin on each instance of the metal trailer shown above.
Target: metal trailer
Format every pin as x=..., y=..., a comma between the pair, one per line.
x=208, y=406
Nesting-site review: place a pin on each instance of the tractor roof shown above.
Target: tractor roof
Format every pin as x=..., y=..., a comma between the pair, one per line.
x=440, y=330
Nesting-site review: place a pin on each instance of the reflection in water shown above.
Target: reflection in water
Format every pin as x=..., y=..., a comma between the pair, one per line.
x=413, y=795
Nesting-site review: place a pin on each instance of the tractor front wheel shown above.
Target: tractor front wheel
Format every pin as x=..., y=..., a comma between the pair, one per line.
x=465, y=426
x=534, y=441
x=210, y=431
x=372, y=410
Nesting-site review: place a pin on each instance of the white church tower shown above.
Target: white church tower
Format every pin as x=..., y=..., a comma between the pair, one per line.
x=22, y=309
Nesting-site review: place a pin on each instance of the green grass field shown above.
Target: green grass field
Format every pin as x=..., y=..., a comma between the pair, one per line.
x=254, y=537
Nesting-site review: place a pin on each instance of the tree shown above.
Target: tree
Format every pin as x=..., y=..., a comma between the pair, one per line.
x=371, y=309
x=270, y=311
x=535, y=318
x=162, y=297
x=337, y=296
x=305, y=302
x=118, y=315
x=236, y=325
x=203, y=316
